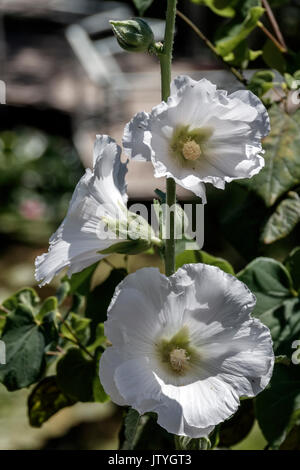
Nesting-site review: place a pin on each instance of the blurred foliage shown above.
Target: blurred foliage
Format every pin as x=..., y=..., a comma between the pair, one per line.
x=62, y=338
x=38, y=174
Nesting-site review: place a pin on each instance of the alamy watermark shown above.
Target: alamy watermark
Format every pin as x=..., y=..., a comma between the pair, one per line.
x=295, y=94
x=2, y=92
x=296, y=354
x=117, y=223
x=2, y=353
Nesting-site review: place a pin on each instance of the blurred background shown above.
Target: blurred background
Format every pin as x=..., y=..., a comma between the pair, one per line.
x=66, y=81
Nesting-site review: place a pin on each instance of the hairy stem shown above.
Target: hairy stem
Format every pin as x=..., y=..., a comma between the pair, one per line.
x=165, y=66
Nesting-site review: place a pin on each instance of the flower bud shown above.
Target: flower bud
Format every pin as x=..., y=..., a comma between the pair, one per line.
x=133, y=35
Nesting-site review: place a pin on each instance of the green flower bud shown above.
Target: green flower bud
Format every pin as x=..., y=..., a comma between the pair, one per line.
x=133, y=35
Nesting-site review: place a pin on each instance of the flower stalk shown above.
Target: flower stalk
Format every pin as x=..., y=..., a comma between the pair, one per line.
x=210, y=45
x=165, y=66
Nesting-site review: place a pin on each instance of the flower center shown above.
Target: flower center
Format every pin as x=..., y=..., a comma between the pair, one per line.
x=179, y=360
x=191, y=150
x=176, y=355
x=188, y=145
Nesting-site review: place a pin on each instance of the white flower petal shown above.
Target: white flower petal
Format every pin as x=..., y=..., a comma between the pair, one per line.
x=108, y=363
x=262, y=121
x=232, y=355
x=244, y=358
x=109, y=172
x=170, y=418
x=220, y=299
x=133, y=138
x=80, y=237
x=204, y=402
x=238, y=123
x=140, y=388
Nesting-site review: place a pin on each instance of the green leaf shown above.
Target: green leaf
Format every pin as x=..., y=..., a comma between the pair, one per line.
x=186, y=257
x=63, y=291
x=261, y=82
x=292, y=442
x=78, y=377
x=142, y=5
x=49, y=305
x=283, y=220
x=100, y=338
x=26, y=296
x=99, y=393
x=292, y=263
x=278, y=407
x=241, y=55
x=223, y=8
x=50, y=331
x=80, y=282
x=201, y=256
x=289, y=80
x=270, y=281
x=133, y=427
x=79, y=325
x=138, y=437
x=45, y=400
x=238, y=32
x=277, y=307
x=284, y=324
x=246, y=5
x=128, y=247
x=273, y=57
x=189, y=443
x=75, y=375
x=99, y=299
x=206, y=258
x=25, y=343
x=282, y=163
x=2, y=320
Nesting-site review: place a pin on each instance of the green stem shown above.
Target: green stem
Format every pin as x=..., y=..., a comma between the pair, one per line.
x=165, y=67
x=170, y=241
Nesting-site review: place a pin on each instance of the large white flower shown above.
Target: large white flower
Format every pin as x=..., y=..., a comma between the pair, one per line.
x=185, y=347
x=97, y=219
x=201, y=135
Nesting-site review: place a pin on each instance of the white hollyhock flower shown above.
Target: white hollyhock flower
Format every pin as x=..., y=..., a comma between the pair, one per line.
x=201, y=135
x=97, y=221
x=185, y=347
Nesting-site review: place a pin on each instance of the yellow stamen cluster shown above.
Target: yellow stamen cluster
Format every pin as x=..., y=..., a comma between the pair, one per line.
x=191, y=150
x=179, y=360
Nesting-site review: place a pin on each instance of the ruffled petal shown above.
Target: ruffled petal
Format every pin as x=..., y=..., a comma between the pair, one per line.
x=108, y=364
x=109, y=173
x=215, y=299
x=238, y=123
x=134, y=139
x=243, y=359
x=141, y=389
x=139, y=310
x=262, y=121
x=80, y=237
x=205, y=402
x=232, y=355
